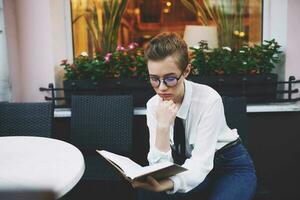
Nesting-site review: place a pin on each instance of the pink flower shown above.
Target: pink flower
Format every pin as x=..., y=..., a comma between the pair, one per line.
x=132, y=68
x=64, y=62
x=133, y=45
x=120, y=48
x=107, y=57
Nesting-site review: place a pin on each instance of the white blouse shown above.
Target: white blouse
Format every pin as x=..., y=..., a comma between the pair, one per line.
x=206, y=131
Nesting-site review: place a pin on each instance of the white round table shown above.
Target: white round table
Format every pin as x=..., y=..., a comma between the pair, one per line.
x=38, y=163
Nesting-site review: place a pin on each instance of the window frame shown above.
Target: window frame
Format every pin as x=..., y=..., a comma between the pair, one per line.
x=5, y=89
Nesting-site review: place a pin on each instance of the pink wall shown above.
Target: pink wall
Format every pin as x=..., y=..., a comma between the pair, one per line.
x=293, y=40
x=12, y=48
x=29, y=38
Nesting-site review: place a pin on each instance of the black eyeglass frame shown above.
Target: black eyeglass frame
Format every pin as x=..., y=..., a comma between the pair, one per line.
x=164, y=80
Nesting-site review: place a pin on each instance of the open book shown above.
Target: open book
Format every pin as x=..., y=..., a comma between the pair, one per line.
x=133, y=171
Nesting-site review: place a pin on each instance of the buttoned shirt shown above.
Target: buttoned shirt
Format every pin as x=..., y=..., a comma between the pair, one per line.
x=206, y=131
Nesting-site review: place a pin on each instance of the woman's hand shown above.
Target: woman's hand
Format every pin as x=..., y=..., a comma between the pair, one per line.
x=153, y=185
x=166, y=113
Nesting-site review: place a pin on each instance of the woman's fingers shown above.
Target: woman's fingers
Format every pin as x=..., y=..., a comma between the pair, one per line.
x=166, y=112
x=150, y=184
x=152, y=181
x=140, y=184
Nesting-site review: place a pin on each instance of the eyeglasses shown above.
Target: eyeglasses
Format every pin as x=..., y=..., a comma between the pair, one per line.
x=169, y=81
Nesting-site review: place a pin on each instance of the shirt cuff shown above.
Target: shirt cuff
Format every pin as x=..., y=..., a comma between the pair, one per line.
x=156, y=156
x=176, y=183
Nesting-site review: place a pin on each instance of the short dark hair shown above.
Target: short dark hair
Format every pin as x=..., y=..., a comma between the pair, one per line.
x=167, y=44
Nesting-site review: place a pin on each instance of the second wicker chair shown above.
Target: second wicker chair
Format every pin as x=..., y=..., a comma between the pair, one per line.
x=104, y=123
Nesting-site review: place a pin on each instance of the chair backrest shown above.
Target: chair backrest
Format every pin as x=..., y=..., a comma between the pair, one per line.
x=26, y=119
x=102, y=122
x=236, y=114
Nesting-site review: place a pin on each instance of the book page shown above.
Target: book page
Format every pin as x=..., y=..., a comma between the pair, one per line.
x=128, y=166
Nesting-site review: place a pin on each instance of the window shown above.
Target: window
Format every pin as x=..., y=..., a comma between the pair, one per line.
x=236, y=21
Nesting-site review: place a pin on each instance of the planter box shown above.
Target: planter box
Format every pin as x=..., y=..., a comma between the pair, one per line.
x=257, y=88
x=141, y=90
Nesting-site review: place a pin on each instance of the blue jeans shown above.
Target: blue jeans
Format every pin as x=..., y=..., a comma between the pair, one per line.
x=232, y=178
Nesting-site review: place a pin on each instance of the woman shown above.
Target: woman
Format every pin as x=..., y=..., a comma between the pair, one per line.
x=219, y=166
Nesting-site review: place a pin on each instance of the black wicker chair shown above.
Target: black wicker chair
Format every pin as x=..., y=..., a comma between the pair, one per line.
x=235, y=109
x=26, y=119
x=102, y=122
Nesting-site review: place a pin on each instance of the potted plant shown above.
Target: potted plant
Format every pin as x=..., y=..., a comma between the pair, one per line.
x=106, y=68
x=122, y=71
x=102, y=20
x=244, y=71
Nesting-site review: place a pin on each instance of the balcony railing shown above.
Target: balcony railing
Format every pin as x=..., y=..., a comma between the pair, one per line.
x=283, y=94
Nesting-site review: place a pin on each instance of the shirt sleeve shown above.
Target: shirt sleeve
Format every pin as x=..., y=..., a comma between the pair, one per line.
x=154, y=154
x=202, y=157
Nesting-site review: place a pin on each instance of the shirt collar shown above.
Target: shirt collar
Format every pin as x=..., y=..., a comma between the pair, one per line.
x=187, y=98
